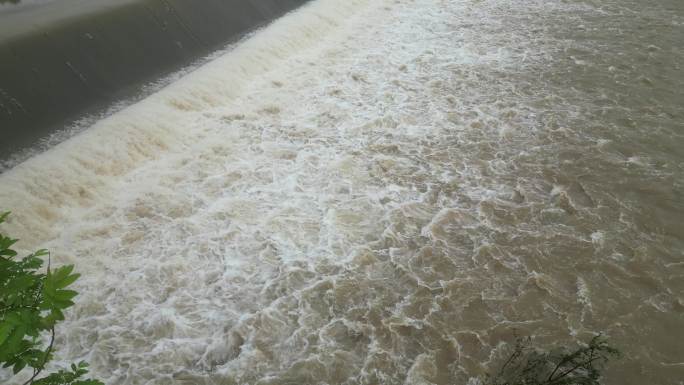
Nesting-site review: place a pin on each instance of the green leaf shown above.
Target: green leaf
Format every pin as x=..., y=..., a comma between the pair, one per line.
x=6, y=243
x=32, y=262
x=8, y=253
x=5, y=330
x=14, y=339
x=62, y=272
x=18, y=367
x=65, y=377
x=68, y=280
x=40, y=253
x=52, y=318
x=65, y=295
x=30, y=303
x=21, y=283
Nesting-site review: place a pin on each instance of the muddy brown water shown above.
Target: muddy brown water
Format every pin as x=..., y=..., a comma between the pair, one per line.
x=387, y=198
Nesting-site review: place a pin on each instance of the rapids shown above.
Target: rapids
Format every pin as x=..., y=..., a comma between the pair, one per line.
x=381, y=192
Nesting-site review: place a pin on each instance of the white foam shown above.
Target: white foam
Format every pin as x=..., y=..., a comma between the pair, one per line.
x=332, y=197
x=85, y=169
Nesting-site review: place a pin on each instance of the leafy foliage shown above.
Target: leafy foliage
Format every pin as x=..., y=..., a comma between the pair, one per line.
x=31, y=304
x=72, y=377
x=528, y=366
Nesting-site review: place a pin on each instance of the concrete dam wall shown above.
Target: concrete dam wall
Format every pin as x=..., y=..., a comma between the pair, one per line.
x=61, y=59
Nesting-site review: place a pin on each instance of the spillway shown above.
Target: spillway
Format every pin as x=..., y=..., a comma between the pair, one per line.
x=381, y=192
x=61, y=60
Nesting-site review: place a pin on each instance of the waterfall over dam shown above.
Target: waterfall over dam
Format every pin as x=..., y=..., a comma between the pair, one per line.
x=361, y=191
x=62, y=59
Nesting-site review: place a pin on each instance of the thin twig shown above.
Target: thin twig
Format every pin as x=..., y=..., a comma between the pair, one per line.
x=574, y=368
x=36, y=372
x=515, y=355
x=562, y=361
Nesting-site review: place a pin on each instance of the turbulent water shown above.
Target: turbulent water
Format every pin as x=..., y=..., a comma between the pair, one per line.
x=382, y=192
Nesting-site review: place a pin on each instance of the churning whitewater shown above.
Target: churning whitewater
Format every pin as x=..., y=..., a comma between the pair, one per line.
x=377, y=192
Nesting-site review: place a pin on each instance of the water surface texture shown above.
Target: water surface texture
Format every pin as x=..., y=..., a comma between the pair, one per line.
x=382, y=192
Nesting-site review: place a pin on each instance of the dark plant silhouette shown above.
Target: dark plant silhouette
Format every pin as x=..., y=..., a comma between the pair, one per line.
x=530, y=366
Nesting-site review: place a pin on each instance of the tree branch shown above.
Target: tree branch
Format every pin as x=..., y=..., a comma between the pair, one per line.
x=45, y=358
x=573, y=369
x=562, y=361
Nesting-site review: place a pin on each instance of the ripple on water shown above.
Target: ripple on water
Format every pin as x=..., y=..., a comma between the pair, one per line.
x=387, y=199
